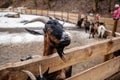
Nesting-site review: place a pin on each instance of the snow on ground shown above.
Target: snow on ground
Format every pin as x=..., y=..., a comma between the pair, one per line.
x=16, y=22
x=5, y=22
x=20, y=38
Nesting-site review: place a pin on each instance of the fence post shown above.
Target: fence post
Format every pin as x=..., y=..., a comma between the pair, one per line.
x=47, y=12
x=79, y=16
x=67, y=16
x=62, y=15
x=110, y=56
x=25, y=11
x=41, y=12
x=54, y=14
x=31, y=11
x=114, y=28
x=36, y=11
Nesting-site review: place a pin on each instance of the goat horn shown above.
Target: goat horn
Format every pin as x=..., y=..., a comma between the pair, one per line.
x=44, y=20
x=40, y=71
x=31, y=75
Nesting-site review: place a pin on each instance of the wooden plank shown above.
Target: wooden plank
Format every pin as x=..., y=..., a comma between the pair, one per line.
x=28, y=11
x=39, y=12
x=1, y=9
x=115, y=76
x=73, y=14
x=45, y=12
x=99, y=72
x=33, y=11
x=109, y=33
x=108, y=21
x=73, y=20
x=70, y=17
x=110, y=27
x=73, y=56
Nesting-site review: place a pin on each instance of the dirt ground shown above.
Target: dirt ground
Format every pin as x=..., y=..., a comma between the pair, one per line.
x=13, y=52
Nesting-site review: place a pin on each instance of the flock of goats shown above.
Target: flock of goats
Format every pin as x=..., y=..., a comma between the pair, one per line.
x=93, y=27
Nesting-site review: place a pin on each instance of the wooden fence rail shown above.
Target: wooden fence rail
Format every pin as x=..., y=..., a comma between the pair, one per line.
x=56, y=13
x=99, y=72
x=73, y=56
x=70, y=17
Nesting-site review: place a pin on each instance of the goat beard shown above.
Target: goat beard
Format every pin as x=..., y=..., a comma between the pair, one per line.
x=61, y=47
x=60, y=52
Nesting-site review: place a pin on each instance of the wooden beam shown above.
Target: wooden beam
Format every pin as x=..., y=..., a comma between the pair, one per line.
x=73, y=56
x=99, y=72
x=114, y=28
x=109, y=33
x=115, y=76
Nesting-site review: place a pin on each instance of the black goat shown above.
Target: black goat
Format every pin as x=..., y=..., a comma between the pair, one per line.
x=79, y=23
x=87, y=26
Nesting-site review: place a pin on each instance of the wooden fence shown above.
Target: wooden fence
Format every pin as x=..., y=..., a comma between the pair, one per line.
x=67, y=16
x=13, y=71
x=72, y=57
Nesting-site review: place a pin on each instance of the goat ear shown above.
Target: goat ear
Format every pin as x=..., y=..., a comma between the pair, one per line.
x=35, y=32
x=45, y=74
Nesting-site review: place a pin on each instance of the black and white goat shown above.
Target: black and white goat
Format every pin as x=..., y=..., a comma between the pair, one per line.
x=101, y=30
x=97, y=28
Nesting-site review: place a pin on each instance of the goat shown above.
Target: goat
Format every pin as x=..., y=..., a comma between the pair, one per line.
x=79, y=23
x=55, y=35
x=55, y=38
x=87, y=26
x=101, y=30
x=38, y=77
x=93, y=29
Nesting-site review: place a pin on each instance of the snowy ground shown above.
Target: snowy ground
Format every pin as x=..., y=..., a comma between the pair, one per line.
x=15, y=23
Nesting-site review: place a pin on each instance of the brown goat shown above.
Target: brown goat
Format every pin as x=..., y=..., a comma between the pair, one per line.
x=55, y=38
x=93, y=29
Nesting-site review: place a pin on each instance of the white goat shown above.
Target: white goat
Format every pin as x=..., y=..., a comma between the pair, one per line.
x=101, y=30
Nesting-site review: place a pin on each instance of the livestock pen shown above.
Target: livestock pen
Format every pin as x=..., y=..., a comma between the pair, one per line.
x=75, y=55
